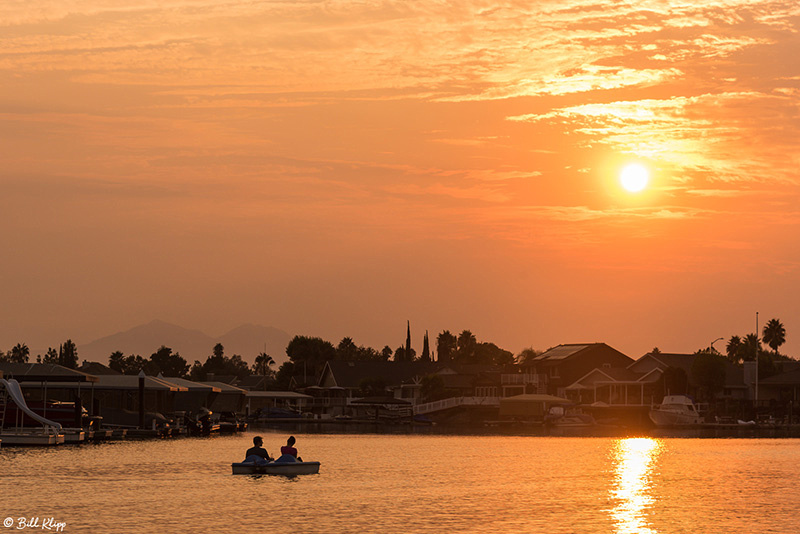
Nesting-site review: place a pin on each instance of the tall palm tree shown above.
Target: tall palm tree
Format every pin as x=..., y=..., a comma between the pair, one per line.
x=751, y=347
x=20, y=353
x=445, y=346
x=774, y=334
x=734, y=349
x=262, y=365
x=467, y=343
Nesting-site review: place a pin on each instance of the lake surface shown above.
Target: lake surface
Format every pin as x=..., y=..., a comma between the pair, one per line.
x=411, y=483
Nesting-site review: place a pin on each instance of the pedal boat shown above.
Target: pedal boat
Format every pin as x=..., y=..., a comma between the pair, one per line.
x=276, y=468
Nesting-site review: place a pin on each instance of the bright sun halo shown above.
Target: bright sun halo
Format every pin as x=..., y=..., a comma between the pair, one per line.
x=634, y=177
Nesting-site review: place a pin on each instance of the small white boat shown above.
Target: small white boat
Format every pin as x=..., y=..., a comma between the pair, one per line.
x=675, y=410
x=560, y=416
x=276, y=468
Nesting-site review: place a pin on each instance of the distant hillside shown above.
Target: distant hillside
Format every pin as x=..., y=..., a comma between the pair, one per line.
x=246, y=340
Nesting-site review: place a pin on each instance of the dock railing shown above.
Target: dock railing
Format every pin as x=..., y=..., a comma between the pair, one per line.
x=453, y=402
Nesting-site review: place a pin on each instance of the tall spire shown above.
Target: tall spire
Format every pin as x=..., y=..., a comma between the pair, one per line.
x=408, y=341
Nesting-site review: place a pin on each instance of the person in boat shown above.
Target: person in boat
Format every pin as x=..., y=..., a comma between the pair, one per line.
x=257, y=453
x=288, y=452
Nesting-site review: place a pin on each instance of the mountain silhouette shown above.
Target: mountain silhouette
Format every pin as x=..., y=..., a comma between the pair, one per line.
x=247, y=340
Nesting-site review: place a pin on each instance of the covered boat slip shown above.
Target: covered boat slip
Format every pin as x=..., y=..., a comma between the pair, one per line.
x=18, y=424
x=276, y=468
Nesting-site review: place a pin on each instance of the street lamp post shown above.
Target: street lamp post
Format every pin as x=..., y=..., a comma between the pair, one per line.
x=712, y=344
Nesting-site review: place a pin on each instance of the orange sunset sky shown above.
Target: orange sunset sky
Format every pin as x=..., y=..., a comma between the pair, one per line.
x=335, y=168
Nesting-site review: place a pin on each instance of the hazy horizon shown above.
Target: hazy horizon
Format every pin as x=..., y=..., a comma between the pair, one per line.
x=337, y=168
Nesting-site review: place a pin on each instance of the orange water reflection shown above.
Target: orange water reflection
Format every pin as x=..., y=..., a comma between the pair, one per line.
x=632, y=490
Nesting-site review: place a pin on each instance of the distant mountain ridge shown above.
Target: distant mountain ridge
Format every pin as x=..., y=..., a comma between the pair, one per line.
x=247, y=340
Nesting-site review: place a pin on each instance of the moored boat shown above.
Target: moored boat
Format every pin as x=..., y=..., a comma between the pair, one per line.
x=675, y=410
x=276, y=468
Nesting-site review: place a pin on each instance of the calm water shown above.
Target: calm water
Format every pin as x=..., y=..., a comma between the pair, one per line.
x=412, y=483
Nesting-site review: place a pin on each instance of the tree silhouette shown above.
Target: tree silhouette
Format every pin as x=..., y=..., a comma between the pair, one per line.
x=708, y=372
x=263, y=364
x=526, y=356
x=734, y=349
x=68, y=355
x=751, y=347
x=774, y=334
x=426, y=351
x=19, y=353
x=467, y=343
x=347, y=350
x=446, y=344
x=169, y=364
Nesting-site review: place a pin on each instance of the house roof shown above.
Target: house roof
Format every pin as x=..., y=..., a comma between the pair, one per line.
x=604, y=375
x=792, y=378
x=561, y=352
x=352, y=374
x=668, y=359
x=189, y=385
x=43, y=372
x=277, y=395
x=97, y=368
x=226, y=388
x=252, y=382
x=128, y=382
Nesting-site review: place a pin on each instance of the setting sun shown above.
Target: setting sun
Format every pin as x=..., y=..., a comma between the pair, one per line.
x=634, y=177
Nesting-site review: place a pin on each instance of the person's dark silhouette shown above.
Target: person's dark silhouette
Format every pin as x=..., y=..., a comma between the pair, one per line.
x=257, y=453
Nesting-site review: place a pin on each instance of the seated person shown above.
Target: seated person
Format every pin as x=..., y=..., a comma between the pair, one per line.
x=288, y=452
x=257, y=454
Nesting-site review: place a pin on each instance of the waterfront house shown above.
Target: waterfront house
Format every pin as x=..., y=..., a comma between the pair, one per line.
x=342, y=380
x=557, y=368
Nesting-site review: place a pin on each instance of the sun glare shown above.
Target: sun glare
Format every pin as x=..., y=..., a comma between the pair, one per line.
x=634, y=177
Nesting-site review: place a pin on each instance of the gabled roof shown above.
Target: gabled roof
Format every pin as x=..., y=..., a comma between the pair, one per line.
x=352, y=374
x=567, y=352
x=252, y=382
x=607, y=374
x=43, y=372
x=562, y=352
x=668, y=359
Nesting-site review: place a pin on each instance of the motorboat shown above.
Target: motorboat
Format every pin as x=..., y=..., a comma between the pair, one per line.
x=286, y=468
x=675, y=410
x=562, y=416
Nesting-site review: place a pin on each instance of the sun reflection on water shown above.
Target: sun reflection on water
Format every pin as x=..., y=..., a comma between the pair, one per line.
x=631, y=493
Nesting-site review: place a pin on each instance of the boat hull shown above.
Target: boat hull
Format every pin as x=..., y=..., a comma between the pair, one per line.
x=676, y=410
x=666, y=419
x=276, y=468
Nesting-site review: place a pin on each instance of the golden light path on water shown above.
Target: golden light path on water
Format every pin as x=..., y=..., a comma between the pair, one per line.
x=634, y=459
